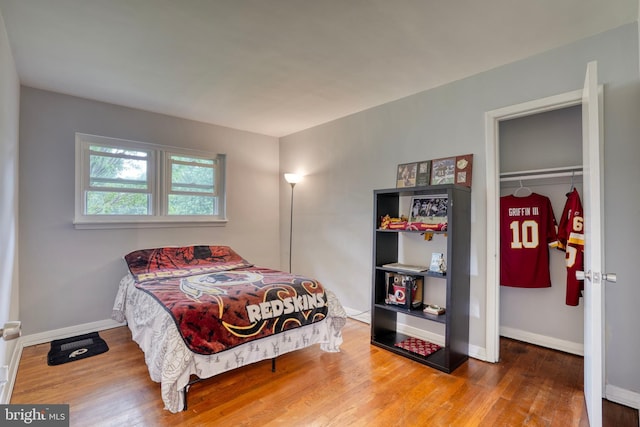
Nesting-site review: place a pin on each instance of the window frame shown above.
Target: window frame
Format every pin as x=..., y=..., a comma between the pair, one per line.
x=158, y=176
x=168, y=179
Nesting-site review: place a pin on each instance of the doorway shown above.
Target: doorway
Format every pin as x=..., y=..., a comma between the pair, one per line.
x=542, y=153
x=590, y=98
x=493, y=120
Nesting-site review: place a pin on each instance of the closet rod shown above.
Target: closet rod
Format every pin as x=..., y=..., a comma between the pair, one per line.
x=541, y=173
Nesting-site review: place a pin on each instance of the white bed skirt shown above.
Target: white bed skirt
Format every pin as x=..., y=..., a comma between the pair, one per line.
x=170, y=361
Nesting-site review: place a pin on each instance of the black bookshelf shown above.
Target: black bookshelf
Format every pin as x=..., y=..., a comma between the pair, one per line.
x=384, y=317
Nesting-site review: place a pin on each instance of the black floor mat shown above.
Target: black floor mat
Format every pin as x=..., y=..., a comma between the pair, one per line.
x=75, y=348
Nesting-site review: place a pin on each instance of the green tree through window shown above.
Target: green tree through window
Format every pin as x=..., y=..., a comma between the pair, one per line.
x=127, y=181
x=118, y=182
x=192, y=186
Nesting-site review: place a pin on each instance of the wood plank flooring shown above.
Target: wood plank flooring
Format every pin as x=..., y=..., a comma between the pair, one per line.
x=362, y=385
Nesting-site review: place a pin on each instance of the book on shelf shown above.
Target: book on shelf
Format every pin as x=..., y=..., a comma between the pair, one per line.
x=433, y=309
x=408, y=267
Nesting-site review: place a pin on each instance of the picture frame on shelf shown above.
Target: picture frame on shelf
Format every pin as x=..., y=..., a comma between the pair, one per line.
x=406, y=175
x=424, y=173
x=464, y=167
x=438, y=264
x=429, y=213
x=443, y=171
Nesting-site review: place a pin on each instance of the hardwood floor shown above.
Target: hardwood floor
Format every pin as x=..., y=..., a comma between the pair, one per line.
x=361, y=386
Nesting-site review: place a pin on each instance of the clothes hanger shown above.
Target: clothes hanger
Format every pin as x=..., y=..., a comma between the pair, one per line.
x=522, y=191
x=573, y=174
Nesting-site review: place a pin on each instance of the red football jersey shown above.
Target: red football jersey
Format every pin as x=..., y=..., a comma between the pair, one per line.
x=527, y=230
x=571, y=241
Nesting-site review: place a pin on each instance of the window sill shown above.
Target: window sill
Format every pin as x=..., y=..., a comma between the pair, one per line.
x=100, y=224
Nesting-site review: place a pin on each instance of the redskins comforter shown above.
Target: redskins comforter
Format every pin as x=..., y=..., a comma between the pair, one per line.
x=218, y=301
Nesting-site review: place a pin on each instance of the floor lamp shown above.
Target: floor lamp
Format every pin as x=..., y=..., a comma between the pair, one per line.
x=293, y=179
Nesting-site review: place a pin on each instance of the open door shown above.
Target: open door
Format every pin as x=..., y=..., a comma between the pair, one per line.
x=592, y=150
x=592, y=147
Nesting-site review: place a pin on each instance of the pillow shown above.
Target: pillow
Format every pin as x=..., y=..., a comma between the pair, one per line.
x=167, y=262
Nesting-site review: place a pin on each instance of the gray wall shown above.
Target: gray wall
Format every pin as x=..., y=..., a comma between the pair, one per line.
x=346, y=159
x=9, y=107
x=70, y=277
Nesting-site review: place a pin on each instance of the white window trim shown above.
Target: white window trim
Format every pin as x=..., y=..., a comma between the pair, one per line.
x=166, y=181
x=158, y=188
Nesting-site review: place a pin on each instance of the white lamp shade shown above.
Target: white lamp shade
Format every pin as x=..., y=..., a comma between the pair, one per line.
x=292, y=178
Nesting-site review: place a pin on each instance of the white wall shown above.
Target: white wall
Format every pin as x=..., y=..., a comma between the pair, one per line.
x=70, y=277
x=346, y=159
x=9, y=107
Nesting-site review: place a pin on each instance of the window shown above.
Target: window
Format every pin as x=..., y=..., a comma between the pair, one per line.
x=124, y=183
x=191, y=185
x=118, y=181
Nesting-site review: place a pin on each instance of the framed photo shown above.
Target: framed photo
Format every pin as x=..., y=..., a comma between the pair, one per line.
x=443, y=171
x=464, y=166
x=430, y=210
x=438, y=264
x=406, y=176
x=424, y=173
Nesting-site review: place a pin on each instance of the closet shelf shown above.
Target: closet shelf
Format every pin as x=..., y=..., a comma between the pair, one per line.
x=541, y=173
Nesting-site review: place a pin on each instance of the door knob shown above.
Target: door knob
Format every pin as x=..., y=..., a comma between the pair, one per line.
x=608, y=277
x=581, y=275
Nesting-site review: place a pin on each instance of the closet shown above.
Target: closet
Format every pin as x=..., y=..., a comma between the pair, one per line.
x=543, y=153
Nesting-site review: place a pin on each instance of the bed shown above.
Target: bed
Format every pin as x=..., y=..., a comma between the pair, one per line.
x=198, y=311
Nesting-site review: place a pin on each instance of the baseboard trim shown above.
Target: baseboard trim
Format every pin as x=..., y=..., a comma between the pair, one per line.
x=622, y=396
x=359, y=315
x=543, y=341
x=56, y=334
x=44, y=337
x=479, y=353
x=7, y=390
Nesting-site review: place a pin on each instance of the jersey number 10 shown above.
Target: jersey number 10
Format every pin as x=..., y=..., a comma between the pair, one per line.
x=524, y=235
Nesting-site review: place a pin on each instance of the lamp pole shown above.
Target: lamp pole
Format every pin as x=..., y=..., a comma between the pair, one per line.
x=293, y=184
x=292, y=179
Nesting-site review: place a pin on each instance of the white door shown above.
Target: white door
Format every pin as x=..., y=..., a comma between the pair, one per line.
x=593, y=258
x=593, y=215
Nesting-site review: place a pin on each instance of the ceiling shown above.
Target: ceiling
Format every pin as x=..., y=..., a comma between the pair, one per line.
x=276, y=67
